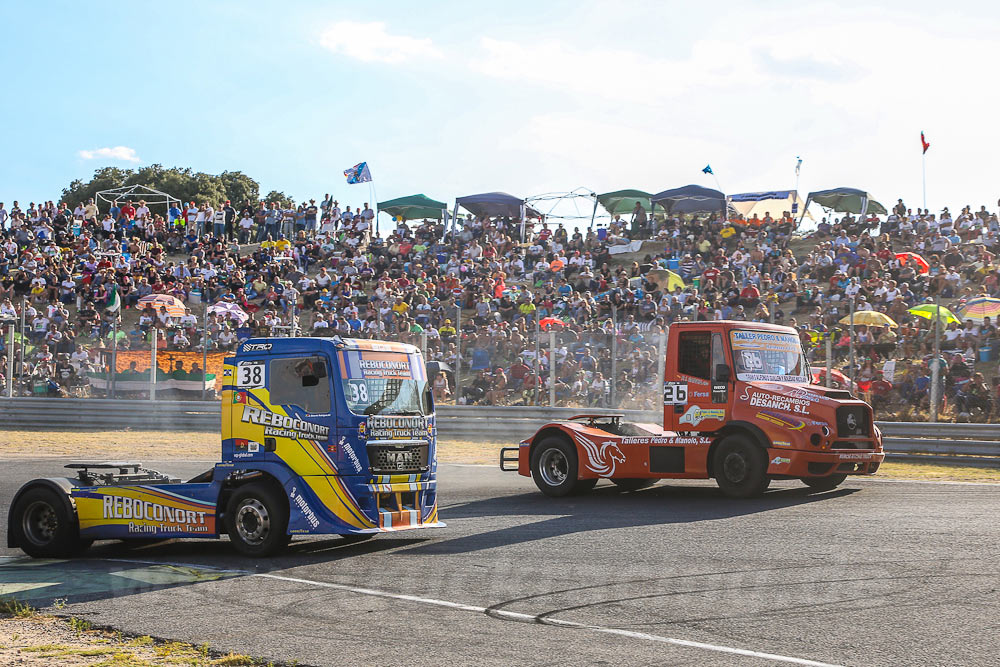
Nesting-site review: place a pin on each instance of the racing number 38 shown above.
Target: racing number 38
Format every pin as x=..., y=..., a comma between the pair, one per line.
x=250, y=374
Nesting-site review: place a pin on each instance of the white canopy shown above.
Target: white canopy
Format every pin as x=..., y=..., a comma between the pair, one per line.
x=774, y=202
x=135, y=193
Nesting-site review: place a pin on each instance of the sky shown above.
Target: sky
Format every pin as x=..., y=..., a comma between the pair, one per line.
x=456, y=98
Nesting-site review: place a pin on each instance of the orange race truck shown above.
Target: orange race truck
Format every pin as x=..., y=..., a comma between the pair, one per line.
x=738, y=406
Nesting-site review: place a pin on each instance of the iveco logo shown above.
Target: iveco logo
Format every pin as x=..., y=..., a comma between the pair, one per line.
x=852, y=422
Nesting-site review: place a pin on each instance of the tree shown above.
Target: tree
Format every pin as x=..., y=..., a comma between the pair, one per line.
x=240, y=187
x=183, y=183
x=280, y=197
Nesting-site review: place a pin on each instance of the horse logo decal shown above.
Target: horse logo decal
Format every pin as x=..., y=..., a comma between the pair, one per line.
x=602, y=458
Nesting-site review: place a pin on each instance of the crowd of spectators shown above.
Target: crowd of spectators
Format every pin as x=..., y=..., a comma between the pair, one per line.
x=475, y=296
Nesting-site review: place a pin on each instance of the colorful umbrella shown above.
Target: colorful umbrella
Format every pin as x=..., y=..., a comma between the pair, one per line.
x=978, y=308
x=229, y=311
x=837, y=379
x=929, y=311
x=175, y=307
x=871, y=318
x=905, y=257
x=546, y=322
x=665, y=279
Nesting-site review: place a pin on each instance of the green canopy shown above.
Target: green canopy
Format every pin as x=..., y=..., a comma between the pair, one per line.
x=413, y=207
x=846, y=200
x=623, y=201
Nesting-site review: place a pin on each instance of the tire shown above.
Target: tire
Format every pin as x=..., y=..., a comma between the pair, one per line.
x=633, y=483
x=554, y=467
x=257, y=521
x=740, y=467
x=43, y=526
x=827, y=483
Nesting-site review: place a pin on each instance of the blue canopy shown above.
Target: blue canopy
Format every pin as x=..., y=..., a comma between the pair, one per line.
x=762, y=196
x=490, y=204
x=691, y=199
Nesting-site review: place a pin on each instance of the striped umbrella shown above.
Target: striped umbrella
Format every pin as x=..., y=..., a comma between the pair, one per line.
x=175, y=307
x=980, y=307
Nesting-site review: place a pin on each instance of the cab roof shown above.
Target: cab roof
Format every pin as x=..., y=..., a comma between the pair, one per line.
x=735, y=324
x=304, y=343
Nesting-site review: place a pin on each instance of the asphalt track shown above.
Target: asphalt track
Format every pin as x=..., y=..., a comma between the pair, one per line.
x=874, y=573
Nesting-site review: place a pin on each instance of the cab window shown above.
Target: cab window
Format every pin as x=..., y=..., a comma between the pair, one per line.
x=302, y=382
x=718, y=354
x=694, y=354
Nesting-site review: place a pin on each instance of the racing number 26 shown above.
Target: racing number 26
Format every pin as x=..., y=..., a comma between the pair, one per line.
x=675, y=393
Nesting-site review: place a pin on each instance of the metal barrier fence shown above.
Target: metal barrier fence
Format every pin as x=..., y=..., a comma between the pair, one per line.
x=969, y=444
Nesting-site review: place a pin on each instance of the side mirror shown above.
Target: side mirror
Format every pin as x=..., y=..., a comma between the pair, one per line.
x=722, y=373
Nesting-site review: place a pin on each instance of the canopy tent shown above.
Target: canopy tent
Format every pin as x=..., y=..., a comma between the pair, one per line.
x=624, y=201
x=414, y=207
x=845, y=200
x=690, y=199
x=775, y=202
x=135, y=193
x=491, y=204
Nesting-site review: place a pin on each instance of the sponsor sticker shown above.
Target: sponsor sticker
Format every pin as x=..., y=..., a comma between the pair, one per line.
x=244, y=449
x=781, y=443
x=780, y=460
x=696, y=415
x=304, y=507
x=283, y=426
x=778, y=419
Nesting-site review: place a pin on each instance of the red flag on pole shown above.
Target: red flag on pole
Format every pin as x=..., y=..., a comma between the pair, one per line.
x=923, y=142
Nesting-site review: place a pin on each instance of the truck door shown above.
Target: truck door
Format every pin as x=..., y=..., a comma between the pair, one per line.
x=300, y=388
x=699, y=402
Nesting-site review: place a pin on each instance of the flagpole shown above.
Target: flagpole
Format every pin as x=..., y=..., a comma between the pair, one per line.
x=923, y=167
x=374, y=197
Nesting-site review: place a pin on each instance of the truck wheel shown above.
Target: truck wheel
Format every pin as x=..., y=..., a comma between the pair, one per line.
x=633, y=483
x=256, y=521
x=740, y=467
x=43, y=527
x=554, y=468
x=824, y=483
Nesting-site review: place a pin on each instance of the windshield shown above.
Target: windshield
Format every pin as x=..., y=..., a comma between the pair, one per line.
x=385, y=383
x=768, y=356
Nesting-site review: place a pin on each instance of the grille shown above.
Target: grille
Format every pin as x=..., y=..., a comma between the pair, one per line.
x=408, y=458
x=854, y=421
x=851, y=444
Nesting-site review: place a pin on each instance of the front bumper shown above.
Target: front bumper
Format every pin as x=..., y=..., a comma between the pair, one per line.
x=802, y=463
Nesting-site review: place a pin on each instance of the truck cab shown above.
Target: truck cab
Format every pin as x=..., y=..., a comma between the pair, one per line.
x=318, y=436
x=738, y=405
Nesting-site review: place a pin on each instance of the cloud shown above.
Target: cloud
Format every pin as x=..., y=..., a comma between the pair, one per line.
x=123, y=153
x=370, y=42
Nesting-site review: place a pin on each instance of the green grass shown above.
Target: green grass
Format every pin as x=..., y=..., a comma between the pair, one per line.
x=14, y=607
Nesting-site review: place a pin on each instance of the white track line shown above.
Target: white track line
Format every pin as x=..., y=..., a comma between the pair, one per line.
x=570, y=624
x=513, y=615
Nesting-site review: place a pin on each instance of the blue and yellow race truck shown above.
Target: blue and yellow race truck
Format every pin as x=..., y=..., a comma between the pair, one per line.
x=319, y=436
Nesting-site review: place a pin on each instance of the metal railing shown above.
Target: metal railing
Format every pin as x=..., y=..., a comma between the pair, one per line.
x=969, y=444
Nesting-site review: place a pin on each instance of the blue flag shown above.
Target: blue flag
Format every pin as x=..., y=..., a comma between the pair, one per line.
x=358, y=174
x=707, y=169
